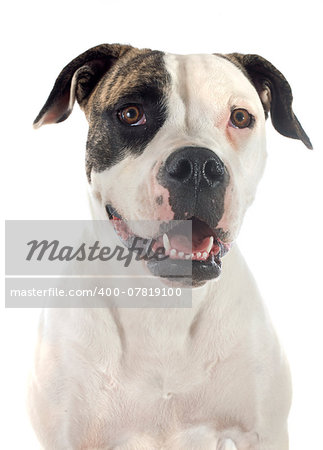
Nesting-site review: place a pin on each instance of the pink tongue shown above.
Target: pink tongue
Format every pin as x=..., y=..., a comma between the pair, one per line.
x=183, y=244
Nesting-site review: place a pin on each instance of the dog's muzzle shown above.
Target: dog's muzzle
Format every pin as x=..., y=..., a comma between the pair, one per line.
x=196, y=180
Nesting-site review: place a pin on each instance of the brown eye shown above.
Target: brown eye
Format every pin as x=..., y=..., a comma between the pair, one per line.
x=132, y=115
x=240, y=118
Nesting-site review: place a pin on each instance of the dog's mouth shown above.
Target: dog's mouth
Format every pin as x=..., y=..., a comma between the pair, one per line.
x=177, y=250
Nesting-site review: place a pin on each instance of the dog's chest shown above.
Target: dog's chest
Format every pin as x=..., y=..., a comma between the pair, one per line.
x=163, y=374
x=158, y=372
x=162, y=349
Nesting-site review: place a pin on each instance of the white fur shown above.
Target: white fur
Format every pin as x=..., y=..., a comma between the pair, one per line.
x=208, y=377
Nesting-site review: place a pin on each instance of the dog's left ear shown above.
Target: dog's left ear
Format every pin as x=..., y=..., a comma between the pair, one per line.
x=77, y=80
x=275, y=94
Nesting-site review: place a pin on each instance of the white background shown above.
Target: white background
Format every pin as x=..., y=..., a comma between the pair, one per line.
x=42, y=173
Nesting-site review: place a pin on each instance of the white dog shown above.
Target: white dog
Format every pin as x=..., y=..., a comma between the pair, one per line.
x=170, y=138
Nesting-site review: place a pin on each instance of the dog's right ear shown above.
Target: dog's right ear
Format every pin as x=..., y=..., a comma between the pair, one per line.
x=275, y=94
x=77, y=80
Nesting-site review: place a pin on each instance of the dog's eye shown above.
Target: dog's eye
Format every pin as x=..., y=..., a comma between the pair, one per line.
x=240, y=118
x=132, y=115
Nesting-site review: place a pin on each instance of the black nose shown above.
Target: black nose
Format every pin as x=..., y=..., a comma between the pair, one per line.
x=195, y=166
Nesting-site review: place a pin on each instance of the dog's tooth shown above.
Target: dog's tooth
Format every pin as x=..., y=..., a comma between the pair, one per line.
x=166, y=242
x=181, y=254
x=188, y=256
x=173, y=252
x=210, y=244
x=198, y=254
x=192, y=255
x=205, y=255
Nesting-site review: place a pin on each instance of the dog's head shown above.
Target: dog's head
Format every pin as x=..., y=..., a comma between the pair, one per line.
x=175, y=138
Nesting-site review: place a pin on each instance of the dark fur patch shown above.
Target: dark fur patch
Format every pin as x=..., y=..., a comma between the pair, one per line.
x=159, y=200
x=138, y=78
x=206, y=206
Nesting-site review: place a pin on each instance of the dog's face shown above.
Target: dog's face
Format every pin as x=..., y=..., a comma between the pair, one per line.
x=174, y=138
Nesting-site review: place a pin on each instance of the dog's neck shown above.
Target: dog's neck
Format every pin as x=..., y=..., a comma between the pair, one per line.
x=214, y=299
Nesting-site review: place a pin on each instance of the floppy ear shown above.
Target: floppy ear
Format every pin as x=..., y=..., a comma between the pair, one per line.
x=77, y=80
x=275, y=94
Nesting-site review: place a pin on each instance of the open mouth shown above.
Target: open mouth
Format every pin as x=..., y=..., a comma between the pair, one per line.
x=178, y=250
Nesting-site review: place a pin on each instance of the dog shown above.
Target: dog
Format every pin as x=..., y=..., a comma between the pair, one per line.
x=171, y=138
